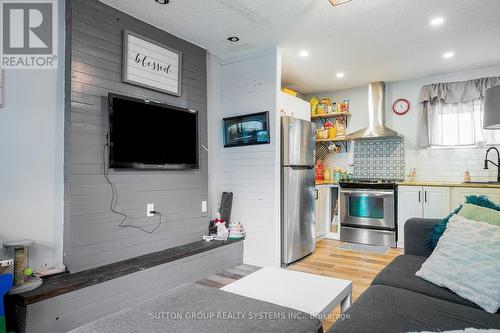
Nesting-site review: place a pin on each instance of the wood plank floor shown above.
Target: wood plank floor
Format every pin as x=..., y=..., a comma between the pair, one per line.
x=327, y=260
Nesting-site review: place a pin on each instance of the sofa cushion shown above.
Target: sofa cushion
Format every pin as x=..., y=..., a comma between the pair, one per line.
x=467, y=261
x=400, y=273
x=195, y=308
x=388, y=309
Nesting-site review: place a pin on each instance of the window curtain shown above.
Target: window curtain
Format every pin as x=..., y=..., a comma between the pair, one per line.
x=452, y=102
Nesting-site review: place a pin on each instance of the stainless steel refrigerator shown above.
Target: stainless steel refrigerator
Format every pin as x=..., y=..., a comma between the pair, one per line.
x=297, y=189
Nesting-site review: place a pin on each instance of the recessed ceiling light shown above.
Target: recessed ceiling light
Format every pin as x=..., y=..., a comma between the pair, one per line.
x=340, y=75
x=448, y=55
x=338, y=2
x=233, y=39
x=163, y=2
x=437, y=21
x=304, y=53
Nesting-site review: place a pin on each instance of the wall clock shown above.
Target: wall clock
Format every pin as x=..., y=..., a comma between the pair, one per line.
x=401, y=106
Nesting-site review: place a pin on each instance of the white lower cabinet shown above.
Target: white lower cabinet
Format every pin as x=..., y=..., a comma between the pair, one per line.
x=459, y=193
x=323, y=210
x=421, y=201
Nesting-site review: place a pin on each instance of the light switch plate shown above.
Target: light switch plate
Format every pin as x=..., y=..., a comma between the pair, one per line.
x=149, y=209
x=203, y=206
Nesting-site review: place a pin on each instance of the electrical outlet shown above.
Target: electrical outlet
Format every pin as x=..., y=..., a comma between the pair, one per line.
x=204, y=207
x=149, y=209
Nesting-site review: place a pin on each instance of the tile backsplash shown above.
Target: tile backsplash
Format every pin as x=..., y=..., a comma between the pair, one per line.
x=379, y=159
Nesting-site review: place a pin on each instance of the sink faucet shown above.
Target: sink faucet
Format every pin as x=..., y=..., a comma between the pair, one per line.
x=486, y=161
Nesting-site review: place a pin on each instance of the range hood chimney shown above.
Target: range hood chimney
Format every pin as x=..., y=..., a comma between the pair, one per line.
x=376, y=116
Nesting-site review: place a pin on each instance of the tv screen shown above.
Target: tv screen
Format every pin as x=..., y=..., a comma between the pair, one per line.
x=151, y=135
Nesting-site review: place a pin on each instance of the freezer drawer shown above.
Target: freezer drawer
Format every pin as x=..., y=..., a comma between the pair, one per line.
x=297, y=140
x=298, y=213
x=368, y=236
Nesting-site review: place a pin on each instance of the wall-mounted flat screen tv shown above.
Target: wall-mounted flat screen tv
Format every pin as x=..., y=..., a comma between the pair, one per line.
x=149, y=135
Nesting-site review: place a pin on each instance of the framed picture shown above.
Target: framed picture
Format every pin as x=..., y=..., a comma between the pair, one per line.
x=149, y=64
x=245, y=130
x=1, y=87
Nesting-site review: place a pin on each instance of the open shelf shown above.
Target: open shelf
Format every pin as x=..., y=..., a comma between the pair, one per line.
x=333, y=140
x=331, y=115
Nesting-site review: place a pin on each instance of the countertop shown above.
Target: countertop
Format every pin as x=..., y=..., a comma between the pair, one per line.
x=448, y=184
x=324, y=182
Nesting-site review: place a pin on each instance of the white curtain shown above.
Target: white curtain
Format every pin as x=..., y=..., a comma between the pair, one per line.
x=451, y=114
x=459, y=124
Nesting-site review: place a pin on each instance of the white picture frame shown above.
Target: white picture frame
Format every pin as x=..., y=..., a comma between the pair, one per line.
x=1, y=86
x=149, y=64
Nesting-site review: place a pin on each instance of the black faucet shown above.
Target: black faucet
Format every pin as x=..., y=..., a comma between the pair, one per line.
x=486, y=161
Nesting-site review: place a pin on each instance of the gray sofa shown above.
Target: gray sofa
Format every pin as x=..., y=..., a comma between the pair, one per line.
x=399, y=301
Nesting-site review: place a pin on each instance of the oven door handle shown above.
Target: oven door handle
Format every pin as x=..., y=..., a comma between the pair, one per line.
x=369, y=192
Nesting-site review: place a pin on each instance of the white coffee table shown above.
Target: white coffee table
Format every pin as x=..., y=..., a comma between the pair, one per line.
x=313, y=294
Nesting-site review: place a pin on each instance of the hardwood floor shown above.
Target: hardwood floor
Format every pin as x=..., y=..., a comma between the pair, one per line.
x=327, y=260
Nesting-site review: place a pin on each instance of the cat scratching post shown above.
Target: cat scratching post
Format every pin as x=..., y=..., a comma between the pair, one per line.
x=22, y=283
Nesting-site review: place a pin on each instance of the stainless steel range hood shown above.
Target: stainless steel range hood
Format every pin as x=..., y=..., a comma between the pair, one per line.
x=376, y=116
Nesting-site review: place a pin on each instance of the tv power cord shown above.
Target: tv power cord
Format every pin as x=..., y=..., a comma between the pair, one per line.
x=115, y=195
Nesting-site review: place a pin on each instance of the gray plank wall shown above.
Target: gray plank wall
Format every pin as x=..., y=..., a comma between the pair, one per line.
x=91, y=234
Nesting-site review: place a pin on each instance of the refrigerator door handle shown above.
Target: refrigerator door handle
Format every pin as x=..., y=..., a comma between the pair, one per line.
x=300, y=167
x=316, y=194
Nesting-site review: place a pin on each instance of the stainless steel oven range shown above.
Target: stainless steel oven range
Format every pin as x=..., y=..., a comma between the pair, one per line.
x=367, y=210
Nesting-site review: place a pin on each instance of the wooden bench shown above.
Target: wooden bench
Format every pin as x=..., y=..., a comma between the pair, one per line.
x=67, y=301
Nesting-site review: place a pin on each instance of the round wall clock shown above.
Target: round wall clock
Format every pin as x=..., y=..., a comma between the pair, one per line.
x=401, y=106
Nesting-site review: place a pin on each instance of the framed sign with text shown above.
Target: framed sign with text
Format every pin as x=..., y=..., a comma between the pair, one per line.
x=149, y=64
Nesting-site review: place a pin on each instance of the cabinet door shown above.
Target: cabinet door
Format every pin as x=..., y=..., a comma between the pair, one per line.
x=410, y=204
x=436, y=202
x=323, y=210
x=459, y=194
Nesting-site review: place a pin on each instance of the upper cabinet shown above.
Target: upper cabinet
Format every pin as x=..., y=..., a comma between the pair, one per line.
x=294, y=107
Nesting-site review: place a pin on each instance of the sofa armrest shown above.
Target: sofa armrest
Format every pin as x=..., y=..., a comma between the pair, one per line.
x=417, y=232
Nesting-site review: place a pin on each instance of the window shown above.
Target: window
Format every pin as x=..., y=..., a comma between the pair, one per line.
x=460, y=125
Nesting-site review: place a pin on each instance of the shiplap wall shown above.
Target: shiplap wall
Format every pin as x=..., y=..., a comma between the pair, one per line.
x=250, y=84
x=91, y=233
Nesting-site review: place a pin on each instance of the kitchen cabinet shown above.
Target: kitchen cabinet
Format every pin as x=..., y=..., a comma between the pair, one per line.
x=459, y=194
x=327, y=223
x=323, y=210
x=421, y=201
x=294, y=107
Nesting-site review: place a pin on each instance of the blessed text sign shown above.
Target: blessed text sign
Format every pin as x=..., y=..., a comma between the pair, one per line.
x=149, y=64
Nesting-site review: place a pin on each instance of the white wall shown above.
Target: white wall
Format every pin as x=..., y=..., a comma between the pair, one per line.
x=249, y=84
x=214, y=125
x=431, y=164
x=32, y=149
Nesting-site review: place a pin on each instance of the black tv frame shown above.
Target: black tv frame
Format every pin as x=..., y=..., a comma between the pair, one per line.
x=143, y=166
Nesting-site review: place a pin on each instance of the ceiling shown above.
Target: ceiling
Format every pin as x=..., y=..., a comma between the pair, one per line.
x=368, y=40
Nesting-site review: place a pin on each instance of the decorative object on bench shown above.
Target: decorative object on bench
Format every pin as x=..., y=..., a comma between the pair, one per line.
x=245, y=130
x=236, y=231
x=466, y=260
x=22, y=283
x=438, y=230
x=150, y=64
x=226, y=207
x=212, y=228
x=222, y=231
